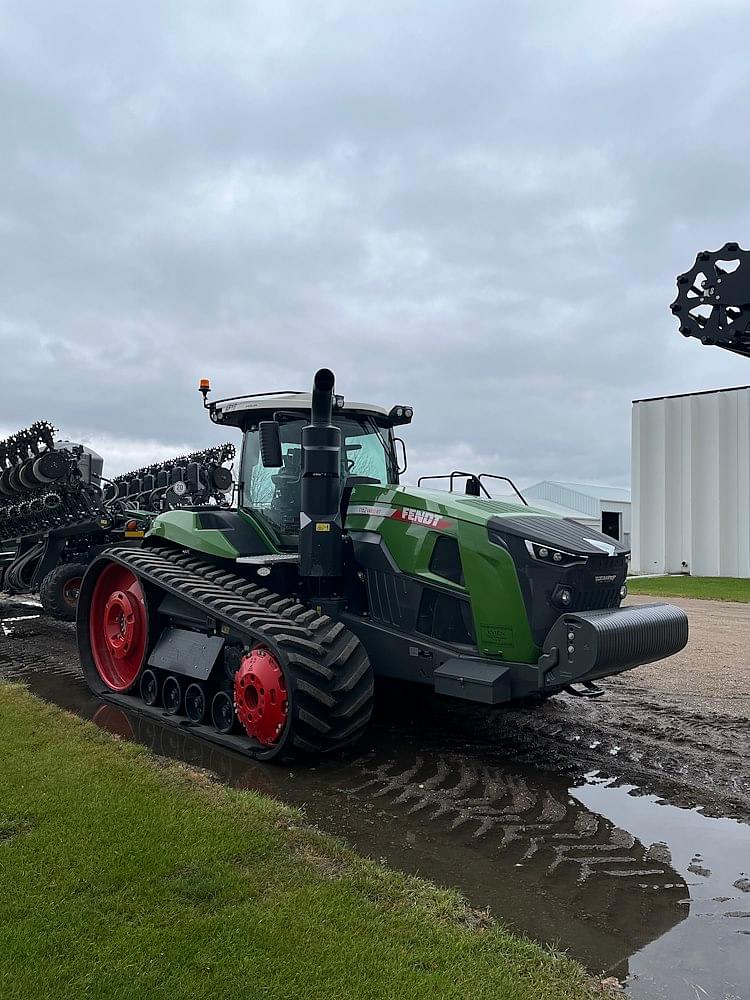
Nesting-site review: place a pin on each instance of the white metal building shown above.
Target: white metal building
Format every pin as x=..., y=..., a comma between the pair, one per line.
x=691, y=483
x=606, y=508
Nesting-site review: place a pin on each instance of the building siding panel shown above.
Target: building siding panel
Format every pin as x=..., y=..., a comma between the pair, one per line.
x=691, y=484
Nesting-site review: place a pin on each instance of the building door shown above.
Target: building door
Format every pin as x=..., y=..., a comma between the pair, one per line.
x=612, y=524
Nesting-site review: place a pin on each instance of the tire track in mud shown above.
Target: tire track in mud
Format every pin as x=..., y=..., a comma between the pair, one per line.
x=691, y=758
x=521, y=820
x=32, y=643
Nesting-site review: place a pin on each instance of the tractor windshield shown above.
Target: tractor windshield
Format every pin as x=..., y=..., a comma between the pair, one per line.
x=274, y=494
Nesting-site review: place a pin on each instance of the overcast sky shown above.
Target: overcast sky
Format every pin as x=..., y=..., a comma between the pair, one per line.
x=475, y=207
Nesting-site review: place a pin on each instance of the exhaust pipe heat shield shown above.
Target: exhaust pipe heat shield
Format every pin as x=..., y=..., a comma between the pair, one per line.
x=586, y=645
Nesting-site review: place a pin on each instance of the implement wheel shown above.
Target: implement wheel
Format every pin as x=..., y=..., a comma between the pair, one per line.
x=59, y=591
x=118, y=627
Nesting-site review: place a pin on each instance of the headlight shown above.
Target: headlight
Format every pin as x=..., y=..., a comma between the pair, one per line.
x=558, y=557
x=623, y=591
x=562, y=596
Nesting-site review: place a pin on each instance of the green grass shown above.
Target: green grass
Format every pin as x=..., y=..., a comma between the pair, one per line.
x=122, y=876
x=705, y=588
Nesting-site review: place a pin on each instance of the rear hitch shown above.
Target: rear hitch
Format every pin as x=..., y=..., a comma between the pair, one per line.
x=591, y=690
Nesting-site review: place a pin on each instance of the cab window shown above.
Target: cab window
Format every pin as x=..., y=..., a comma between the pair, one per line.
x=274, y=494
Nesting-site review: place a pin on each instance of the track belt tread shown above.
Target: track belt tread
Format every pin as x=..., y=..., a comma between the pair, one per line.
x=333, y=676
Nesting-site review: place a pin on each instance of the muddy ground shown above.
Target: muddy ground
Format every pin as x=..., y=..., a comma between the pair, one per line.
x=606, y=827
x=680, y=726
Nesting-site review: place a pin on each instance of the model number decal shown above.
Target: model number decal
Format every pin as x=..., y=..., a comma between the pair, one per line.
x=425, y=518
x=371, y=510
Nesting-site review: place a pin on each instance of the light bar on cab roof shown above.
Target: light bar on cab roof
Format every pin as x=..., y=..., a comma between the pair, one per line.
x=400, y=415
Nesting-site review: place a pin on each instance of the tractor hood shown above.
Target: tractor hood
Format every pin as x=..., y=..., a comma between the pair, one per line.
x=438, y=509
x=510, y=556
x=557, y=532
x=456, y=506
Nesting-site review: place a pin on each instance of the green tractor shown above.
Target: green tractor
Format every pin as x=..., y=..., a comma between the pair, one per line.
x=263, y=627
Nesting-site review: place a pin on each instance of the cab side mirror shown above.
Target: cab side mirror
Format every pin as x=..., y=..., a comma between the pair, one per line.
x=400, y=459
x=270, y=444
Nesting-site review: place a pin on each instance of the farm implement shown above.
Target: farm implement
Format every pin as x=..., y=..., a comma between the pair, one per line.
x=57, y=511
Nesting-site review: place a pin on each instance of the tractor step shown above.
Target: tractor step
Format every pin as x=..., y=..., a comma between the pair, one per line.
x=586, y=689
x=271, y=559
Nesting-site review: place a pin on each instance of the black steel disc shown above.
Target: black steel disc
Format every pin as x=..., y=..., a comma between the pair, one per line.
x=713, y=299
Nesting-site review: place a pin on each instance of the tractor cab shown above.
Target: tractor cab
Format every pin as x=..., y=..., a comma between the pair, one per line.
x=270, y=474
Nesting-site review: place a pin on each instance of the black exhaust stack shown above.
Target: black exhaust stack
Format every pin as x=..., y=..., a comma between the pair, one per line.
x=320, y=551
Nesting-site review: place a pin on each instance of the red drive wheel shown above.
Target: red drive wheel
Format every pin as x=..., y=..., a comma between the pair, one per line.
x=118, y=627
x=261, y=699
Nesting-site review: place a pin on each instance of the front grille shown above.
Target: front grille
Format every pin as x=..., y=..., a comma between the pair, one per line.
x=540, y=580
x=592, y=600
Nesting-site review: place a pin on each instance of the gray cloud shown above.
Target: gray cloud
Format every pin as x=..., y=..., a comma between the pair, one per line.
x=479, y=208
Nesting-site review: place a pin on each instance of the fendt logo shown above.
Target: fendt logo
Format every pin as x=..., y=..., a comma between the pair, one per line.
x=610, y=578
x=425, y=517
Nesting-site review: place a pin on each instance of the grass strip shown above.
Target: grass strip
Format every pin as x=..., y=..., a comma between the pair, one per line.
x=124, y=876
x=704, y=588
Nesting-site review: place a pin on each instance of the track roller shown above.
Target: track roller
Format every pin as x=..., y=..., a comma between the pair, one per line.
x=149, y=687
x=171, y=695
x=195, y=702
x=222, y=712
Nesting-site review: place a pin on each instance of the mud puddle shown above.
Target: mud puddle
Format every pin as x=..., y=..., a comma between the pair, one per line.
x=656, y=895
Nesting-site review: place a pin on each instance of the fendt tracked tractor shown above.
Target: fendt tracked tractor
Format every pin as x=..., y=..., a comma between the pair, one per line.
x=264, y=627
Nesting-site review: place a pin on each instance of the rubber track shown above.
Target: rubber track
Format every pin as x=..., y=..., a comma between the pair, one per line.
x=333, y=676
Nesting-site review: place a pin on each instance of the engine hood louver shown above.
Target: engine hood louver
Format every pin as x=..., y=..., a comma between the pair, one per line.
x=562, y=533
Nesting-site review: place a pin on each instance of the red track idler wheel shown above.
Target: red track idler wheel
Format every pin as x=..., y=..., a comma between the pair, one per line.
x=260, y=697
x=118, y=627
